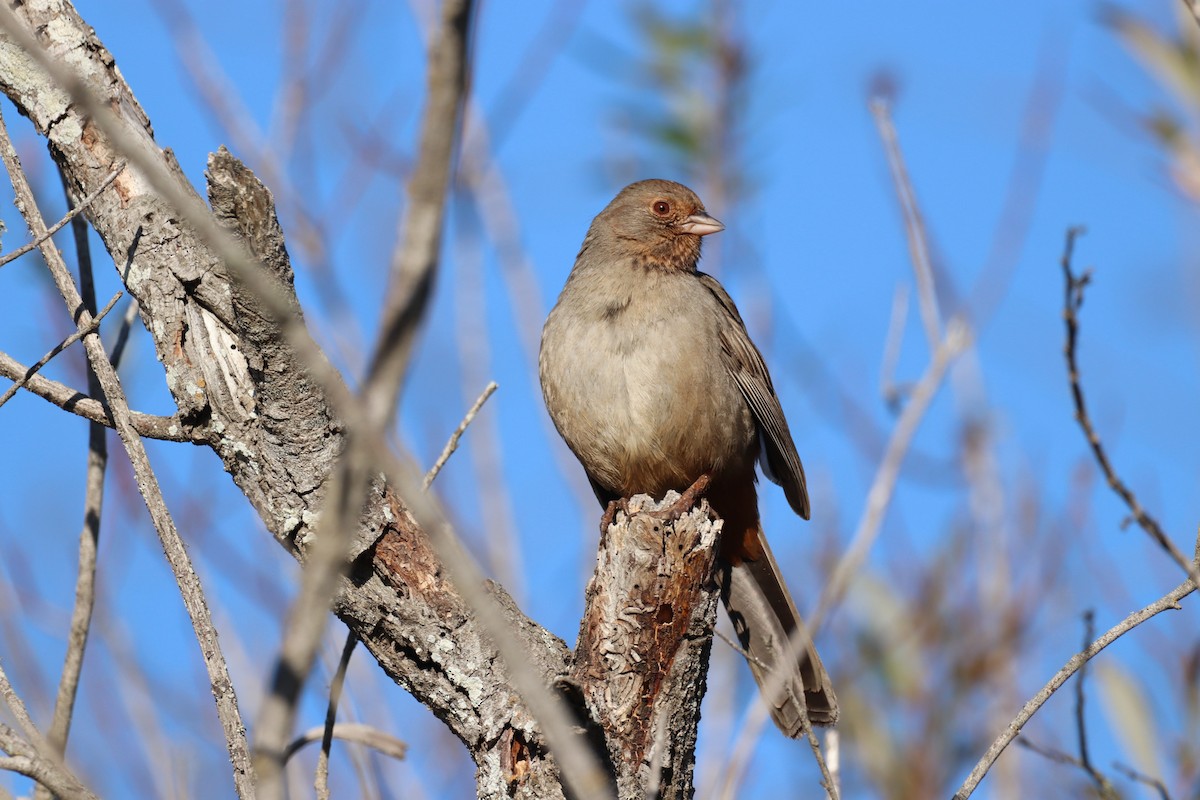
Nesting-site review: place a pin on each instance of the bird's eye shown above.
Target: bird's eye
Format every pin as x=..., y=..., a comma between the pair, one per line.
x=662, y=208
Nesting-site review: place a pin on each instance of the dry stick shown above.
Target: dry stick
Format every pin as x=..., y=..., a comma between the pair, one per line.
x=68, y=217
x=185, y=576
x=335, y=694
x=52, y=770
x=452, y=444
x=1170, y=600
x=1073, y=287
x=1152, y=782
x=415, y=260
x=33, y=737
x=24, y=760
x=93, y=506
x=878, y=498
x=168, y=429
x=127, y=320
x=914, y=224
x=356, y=733
x=893, y=393
x=413, y=267
x=1104, y=786
x=1104, y=789
x=58, y=348
x=580, y=768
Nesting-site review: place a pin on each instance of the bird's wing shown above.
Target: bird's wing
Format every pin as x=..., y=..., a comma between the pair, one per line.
x=779, y=460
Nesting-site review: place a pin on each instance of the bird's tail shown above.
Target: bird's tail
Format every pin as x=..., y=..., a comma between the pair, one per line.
x=764, y=617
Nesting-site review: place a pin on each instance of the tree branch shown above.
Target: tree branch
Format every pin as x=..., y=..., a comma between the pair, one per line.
x=177, y=557
x=1073, y=287
x=1169, y=601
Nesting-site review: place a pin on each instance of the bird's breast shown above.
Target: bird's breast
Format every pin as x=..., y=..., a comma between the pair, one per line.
x=635, y=383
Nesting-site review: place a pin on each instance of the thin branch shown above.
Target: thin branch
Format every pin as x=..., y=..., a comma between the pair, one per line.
x=58, y=348
x=1154, y=783
x=24, y=761
x=168, y=429
x=1169, y=601
x=16, y=707
x=1073, y=287
x=173, y=547
x=356, y=733
x=914, y=224
x=415, y=260
x=452, y=444
x=957, y=338
x=1104, y=786
x=127, y=320
x=893, y=393
x=68, y=217
x=42, y=763
x=93, y=505
x=335, y=694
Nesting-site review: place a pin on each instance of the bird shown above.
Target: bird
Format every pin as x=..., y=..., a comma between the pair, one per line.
x=651, y=379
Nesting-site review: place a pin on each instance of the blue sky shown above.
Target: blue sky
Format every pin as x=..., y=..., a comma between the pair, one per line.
x=818, y=251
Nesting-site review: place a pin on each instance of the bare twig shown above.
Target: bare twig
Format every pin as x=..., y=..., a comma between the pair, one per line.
x=335, y=694
x=177, y=557
x=58, y=348
x=1073, y=288
x=357, y=733
x=127, y=320
x=414, y=262
x=148, y=425
x=1104, y=786
x=41, y=763
x=68, y=217
x=833, y=755
x=1140, y=777
x=25, y=761
x=1169, y=601
x=452, y=444
x=914, y=224
x=93, y=505
x=893, y=393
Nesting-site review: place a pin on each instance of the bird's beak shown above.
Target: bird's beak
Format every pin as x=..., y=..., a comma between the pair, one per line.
x=701, y=225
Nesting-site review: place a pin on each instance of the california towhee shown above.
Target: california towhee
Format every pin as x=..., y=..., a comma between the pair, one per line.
x=652, y=380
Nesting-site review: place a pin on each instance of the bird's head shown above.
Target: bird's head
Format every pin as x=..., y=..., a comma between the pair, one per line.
x=660, y=223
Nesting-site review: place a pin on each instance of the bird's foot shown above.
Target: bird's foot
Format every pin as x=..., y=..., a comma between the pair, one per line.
x=691, y=495
x=610, y=513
